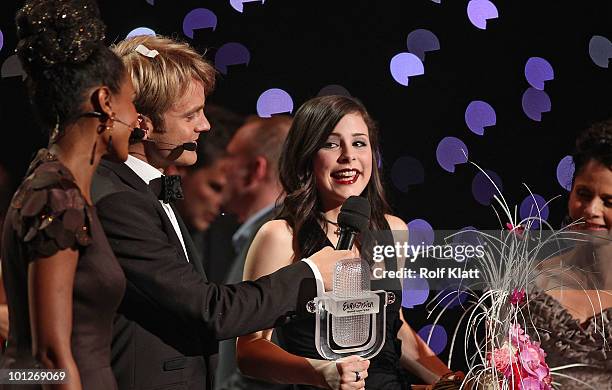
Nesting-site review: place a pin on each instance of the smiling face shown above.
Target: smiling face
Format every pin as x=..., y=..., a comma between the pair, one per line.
x=343, y=165
x=182, y=123
x=590, y=201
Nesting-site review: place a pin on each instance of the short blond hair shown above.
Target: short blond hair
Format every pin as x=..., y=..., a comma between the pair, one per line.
x=161, y=80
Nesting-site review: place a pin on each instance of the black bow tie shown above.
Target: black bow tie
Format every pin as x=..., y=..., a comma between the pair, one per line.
x=167, y=188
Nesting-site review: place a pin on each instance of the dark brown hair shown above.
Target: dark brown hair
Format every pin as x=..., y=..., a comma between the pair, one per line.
x=313, y=123
x=595, y=143
x=62, y=51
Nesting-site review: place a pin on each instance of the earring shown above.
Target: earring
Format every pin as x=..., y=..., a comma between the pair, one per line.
x=55, y=131
x=110, y=135
x=101, y=129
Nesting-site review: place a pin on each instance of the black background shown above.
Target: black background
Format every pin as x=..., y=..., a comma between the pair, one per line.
x=302, y=46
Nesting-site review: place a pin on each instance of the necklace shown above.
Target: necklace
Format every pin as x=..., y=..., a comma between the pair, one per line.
x=337, y=231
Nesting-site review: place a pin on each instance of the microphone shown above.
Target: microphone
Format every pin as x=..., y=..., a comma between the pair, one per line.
x=350, y=319
x=136, y=135
x=351, y=279
x=190, y=146
x=354, y=218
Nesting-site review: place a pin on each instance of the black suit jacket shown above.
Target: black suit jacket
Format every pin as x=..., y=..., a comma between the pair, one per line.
x=170, y=320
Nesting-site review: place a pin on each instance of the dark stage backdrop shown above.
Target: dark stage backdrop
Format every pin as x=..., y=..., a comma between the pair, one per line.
x=513, y=91
x=300, y=47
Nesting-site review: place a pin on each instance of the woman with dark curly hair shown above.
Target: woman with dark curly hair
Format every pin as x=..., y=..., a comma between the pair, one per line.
x=62, y=280
x=330, y=154
x=572, y=307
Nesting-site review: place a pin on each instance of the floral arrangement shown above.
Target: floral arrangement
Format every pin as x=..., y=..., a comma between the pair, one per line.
x=506, y=357
x=521, y=361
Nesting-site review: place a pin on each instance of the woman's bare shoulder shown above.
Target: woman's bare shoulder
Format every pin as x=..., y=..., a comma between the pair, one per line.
x=395, y=223
x=277, y=230
x=272, y=248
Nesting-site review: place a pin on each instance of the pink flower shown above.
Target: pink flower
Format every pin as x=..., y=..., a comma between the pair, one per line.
x=517, y=297
x=518, y=230
x=529, y=384
x=522, y=361
x=501, y=357
x=530, y=359
x=517, y=336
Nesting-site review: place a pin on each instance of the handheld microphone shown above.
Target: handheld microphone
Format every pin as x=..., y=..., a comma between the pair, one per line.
x=350, y=278
x=354, y=218
x=350, y=318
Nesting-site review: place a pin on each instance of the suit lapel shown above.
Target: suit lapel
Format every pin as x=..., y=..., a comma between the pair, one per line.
x=194, y=258
x=128, y=176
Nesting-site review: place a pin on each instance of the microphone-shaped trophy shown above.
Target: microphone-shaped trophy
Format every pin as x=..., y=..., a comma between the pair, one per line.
x=351, y=318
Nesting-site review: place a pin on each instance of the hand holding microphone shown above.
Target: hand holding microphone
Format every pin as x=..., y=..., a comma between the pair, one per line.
x=348, y=373
x=353, y=372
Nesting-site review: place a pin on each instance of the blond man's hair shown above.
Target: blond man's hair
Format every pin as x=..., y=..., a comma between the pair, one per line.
x=160, y=80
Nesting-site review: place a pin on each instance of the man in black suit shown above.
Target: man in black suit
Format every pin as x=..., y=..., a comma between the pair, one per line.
x=166, y=331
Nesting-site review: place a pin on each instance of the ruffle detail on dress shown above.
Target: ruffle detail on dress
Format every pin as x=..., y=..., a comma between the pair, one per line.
x=50, y=211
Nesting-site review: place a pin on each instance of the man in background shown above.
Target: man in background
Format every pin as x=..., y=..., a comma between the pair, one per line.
x=253, y=189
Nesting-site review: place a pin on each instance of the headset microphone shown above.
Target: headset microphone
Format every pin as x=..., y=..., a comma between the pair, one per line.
x=136, y=135
x=190, y=146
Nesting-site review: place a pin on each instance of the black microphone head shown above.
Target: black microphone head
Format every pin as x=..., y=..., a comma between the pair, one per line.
x=137, y=135
x=355, y=214
x=190, y=146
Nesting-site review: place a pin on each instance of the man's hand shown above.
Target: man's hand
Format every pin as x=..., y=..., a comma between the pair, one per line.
x=326, y=260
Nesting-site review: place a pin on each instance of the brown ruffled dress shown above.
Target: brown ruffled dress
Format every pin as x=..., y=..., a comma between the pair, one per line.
x=47, y=214
x=566, y=341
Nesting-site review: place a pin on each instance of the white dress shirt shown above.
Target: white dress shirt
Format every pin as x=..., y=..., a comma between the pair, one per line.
x=147, y=172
